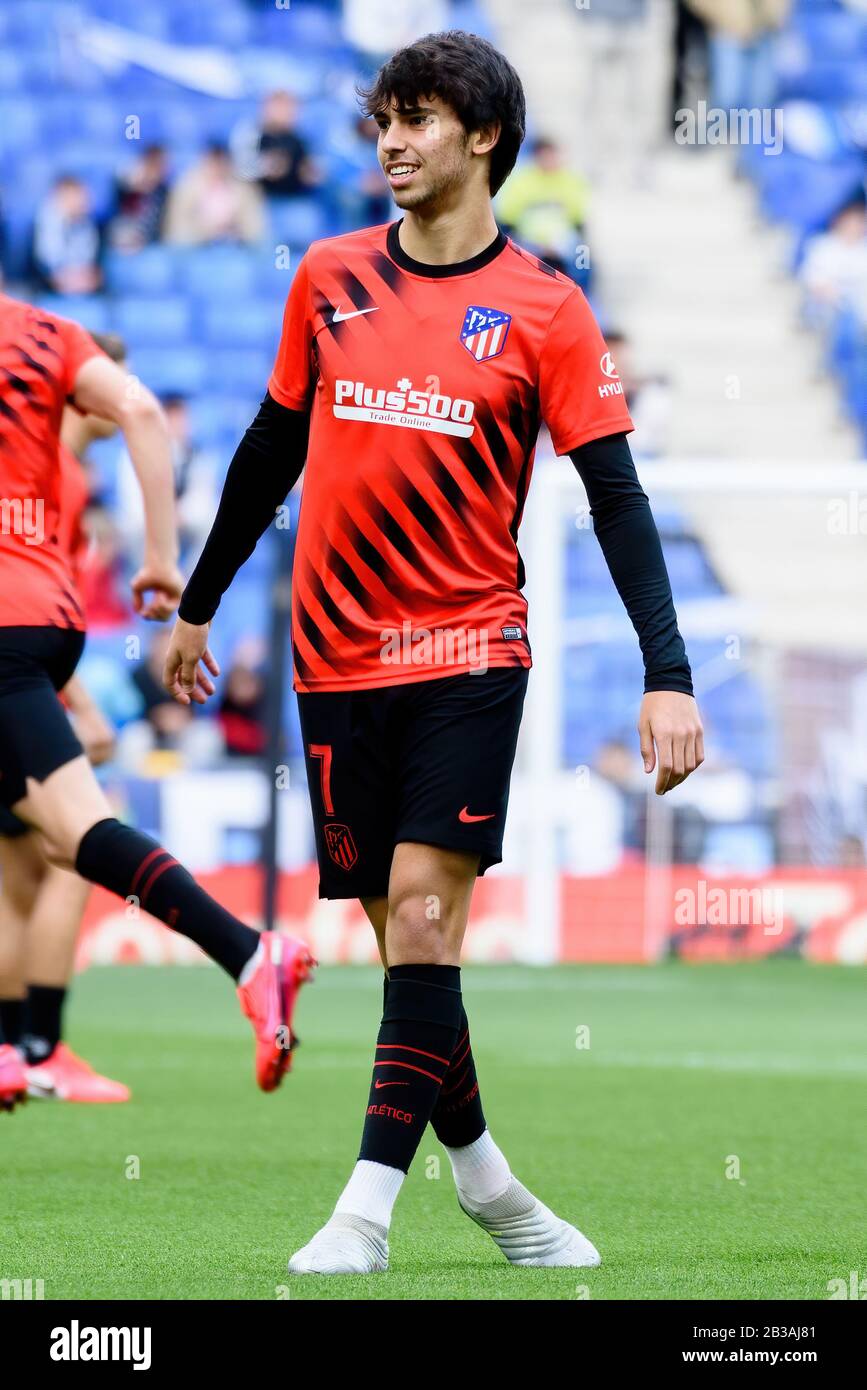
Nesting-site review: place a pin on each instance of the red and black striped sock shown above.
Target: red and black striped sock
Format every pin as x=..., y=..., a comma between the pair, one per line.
x=135, y=867
x=417, y=1037
x=458, y=1118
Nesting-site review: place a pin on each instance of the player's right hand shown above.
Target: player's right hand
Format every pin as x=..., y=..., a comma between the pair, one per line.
x=187, y=663
x=164, y=582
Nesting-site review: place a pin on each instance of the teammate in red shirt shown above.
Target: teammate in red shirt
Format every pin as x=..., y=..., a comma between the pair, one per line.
x=47, y=362
x=416, y=364
x=41, y=905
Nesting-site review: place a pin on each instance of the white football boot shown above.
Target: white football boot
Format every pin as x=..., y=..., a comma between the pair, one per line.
x=528, y=1233
x=345, y=1245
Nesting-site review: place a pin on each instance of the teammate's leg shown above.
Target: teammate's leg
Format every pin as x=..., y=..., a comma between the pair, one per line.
x=53, y=928
x=78, y=830
x=22, y=867
x=53, y=1069
x=47, y=781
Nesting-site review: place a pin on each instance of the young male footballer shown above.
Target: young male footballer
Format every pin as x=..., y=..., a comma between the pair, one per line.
x=416, y=363
x=48, y=363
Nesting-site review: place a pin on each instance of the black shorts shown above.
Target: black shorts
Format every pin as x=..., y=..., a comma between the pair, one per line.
x=36, y=736
x=428, y=762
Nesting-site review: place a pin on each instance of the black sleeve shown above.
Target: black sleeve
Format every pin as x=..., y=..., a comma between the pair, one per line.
x=266, y=464
x=626, y=531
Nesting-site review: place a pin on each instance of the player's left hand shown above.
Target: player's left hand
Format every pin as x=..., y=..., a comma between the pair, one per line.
x=166, y=584
x=672, y=737
x=188, y=661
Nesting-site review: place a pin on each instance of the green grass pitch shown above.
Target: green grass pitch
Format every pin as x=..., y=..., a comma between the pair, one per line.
x=690, y=1071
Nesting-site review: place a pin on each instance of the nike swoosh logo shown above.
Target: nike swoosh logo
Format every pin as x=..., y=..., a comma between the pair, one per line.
x=341, y=318
x=379, y=1085
x=468, y=819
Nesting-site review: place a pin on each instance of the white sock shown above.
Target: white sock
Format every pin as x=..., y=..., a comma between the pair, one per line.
x=371, y=1192
x=481, y=1170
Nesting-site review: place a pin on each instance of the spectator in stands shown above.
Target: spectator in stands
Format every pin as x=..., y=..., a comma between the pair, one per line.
x=834, y=269
x=741, y=49
x=159, y=710
x=210, y=203
x=649, y=397
x=140, y=197
x=101, y=581
x=273, y=153
x=66, y=240
x=195, y=487
x=357, y=175
x=241, y=713
x=689, y=59
x=544, y=204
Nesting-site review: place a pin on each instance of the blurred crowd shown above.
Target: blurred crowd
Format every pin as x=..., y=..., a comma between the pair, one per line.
x=223, y=196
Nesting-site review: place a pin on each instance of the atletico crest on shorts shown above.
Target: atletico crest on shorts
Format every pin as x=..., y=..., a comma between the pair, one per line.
x=340, y=845
x=485, y=331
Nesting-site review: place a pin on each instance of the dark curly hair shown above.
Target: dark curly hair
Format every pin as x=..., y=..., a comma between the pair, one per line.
x=468, y=73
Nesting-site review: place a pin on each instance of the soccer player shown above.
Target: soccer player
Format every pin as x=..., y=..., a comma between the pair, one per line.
x=416, y=362
x=45, y=779
x=41, y=905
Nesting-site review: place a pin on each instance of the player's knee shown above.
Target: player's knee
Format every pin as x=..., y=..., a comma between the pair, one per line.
x=421, y=924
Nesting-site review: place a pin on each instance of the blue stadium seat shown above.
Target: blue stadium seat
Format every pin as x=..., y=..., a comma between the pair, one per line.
x=167, y=370
x=242, y=370
x=19, y=122
x=222, y=419
x=89, y=310
x=806, y=192
x=254, y=323
x=151, y=271
x=153, y=322
x=297, y=221
x=212, y=271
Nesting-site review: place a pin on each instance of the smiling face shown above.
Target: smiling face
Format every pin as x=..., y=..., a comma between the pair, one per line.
x=425, y=153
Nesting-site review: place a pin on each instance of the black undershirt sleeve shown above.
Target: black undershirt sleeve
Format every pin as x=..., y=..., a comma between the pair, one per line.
x=626, y=531
x=266, y=465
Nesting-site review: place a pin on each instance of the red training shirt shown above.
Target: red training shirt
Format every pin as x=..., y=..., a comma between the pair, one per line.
x=40, y=357
x=426, y=385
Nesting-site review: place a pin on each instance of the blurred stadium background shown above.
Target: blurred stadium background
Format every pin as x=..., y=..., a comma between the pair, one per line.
x=163, y=169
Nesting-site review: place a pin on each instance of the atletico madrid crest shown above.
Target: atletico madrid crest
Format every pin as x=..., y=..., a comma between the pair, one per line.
x=485, y=331
x=340, y=844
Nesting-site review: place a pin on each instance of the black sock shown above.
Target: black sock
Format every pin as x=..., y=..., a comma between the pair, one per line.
x=458, y=1118
x=417, y=1037
x=43, y=1026
x=135, y=866
x=11, y=1021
